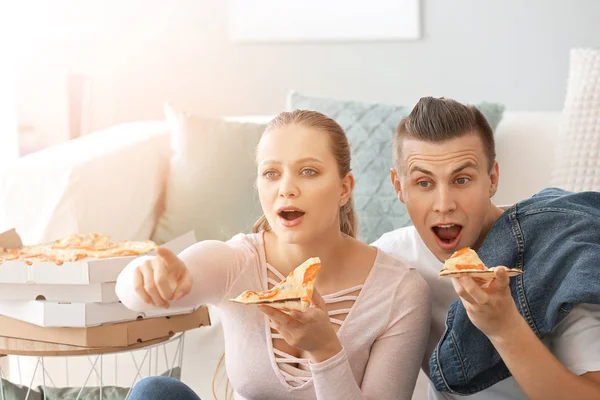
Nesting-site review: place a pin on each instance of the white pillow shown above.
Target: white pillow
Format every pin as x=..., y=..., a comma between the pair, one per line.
x=108, y=182
x=577, y=166
x=211, y=183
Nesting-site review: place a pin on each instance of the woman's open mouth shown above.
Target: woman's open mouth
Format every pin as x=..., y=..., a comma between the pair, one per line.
x=290, y=216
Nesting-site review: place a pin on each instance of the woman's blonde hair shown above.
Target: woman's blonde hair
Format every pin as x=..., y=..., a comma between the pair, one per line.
x=341, y=152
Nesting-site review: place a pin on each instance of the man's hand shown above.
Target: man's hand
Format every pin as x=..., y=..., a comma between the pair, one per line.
x=162, y=279
x=489, y=305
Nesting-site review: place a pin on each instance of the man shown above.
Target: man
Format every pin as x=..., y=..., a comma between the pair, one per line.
x=535, y=336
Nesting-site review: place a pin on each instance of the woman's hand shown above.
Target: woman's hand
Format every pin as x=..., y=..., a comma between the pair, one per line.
x=489, y=305
x=161, y=279
x=310, y=331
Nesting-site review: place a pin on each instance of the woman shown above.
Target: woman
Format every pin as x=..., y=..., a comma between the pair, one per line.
x=364, y=339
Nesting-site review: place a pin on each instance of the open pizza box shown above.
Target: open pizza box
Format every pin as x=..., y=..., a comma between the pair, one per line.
x=78, y=315
x=113, y=335
x=81, y=272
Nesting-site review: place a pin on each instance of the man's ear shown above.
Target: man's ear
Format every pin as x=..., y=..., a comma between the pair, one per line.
x=397, y=186
x=494, y=179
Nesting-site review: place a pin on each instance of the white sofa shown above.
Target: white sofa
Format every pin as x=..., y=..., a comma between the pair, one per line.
x=112, y=181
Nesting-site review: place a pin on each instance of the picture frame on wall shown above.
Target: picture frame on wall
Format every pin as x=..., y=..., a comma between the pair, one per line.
x=271, y=21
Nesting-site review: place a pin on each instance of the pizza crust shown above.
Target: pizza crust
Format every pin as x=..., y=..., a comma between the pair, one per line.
x=476, y=273
x=457, y=266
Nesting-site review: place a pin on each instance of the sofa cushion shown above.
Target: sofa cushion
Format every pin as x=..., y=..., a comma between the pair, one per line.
x=370, y=127
x=210, y=185
x=577, y=160
x=108, y=181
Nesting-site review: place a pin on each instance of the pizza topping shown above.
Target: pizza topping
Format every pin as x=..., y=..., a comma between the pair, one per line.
x=267, y=294
x=460, y=252
x=76, y=247
x=311, y=273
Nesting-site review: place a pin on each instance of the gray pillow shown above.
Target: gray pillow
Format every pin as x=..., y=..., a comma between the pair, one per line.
x=370, y=127
x=11, y=391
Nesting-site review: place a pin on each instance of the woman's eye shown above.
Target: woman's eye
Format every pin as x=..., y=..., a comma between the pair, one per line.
x=309, y=172
x=269, y=174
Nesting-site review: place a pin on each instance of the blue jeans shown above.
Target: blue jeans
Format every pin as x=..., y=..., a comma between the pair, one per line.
x=162, y=388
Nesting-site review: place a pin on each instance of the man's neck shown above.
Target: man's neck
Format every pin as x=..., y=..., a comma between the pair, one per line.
x=493, y=214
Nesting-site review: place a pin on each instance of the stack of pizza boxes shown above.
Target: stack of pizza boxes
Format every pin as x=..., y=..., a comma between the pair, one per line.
x=75, y=303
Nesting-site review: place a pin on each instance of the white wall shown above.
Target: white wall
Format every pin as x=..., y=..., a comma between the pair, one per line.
x=138, y=53
x=9, y=149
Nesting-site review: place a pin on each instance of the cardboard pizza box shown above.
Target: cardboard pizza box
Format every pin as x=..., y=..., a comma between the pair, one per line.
x=111, y=335
x=77, y=315
x=81, y=272
x=92, y=293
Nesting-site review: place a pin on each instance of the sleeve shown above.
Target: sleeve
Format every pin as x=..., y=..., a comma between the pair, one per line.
x=213, y=265
x=575, y=341
x=395, y=357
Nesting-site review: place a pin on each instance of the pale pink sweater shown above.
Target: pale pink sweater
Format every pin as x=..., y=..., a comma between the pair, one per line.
x=383, y=335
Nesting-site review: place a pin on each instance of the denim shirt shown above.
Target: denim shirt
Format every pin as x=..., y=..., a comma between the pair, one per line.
x=554, y=237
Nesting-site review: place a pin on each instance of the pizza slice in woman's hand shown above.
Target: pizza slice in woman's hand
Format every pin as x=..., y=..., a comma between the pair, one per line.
x=293, y=293
x=466, y=262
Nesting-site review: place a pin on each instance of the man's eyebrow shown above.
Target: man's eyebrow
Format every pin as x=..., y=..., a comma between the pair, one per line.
x=468, y=164
x=416, y=168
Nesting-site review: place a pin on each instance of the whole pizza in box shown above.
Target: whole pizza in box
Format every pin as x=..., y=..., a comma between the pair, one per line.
x=77, y=247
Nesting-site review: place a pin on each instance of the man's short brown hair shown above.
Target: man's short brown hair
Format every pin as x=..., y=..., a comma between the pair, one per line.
x=437, y=120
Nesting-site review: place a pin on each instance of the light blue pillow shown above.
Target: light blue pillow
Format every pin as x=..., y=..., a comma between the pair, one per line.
x=370, y=128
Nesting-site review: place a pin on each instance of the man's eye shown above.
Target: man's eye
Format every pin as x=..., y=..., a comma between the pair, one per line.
x=309, y=172
x=463, y=181
x=423, y=184
x=269, y=174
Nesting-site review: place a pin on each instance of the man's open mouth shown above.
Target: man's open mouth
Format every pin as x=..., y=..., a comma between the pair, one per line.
x=447, y=233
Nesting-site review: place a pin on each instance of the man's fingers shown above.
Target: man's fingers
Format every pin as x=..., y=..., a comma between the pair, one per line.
x=461, y=292
x=474, y=290
x=501, y=280
x=138, y=286
x=184, y=286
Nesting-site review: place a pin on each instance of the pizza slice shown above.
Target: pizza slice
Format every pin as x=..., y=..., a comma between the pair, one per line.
x=293, y=293
x=466, y=262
